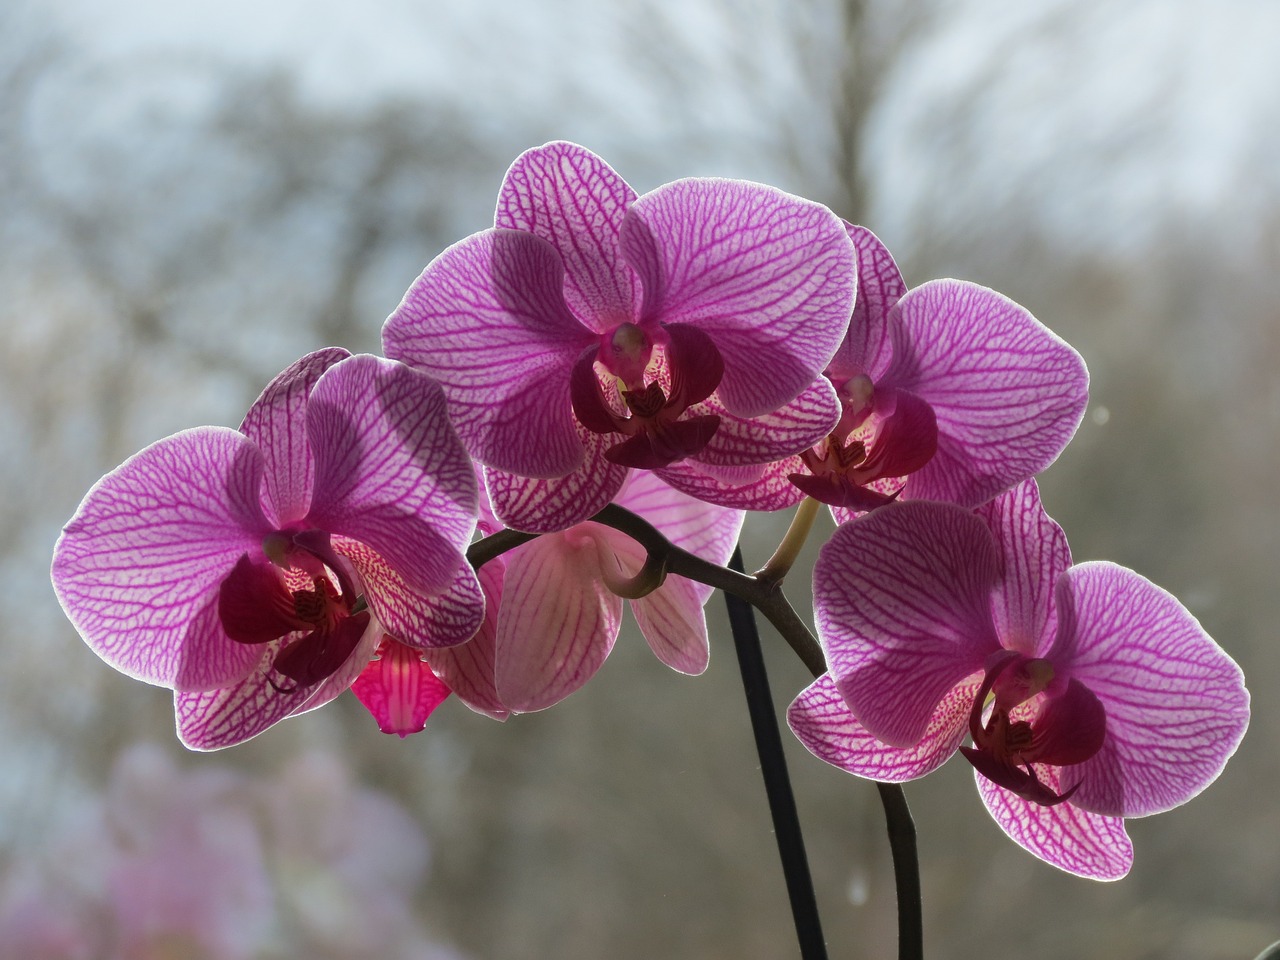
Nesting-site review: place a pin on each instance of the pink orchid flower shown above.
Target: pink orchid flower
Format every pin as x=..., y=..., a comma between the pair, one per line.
x=1089, y=693
x=555, y=614
x=948, y=391
x=399, y=688
x=255, y=572
x=594, y=331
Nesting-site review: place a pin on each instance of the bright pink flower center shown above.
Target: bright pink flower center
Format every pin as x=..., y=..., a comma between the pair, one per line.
x=883, y=435
x=1066, y=726
x=292, y=591
x=649, y=394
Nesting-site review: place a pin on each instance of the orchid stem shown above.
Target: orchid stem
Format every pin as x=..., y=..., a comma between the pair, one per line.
x=773, y=765
x=789, y=549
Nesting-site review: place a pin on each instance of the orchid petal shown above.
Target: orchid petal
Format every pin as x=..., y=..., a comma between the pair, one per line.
x=399, y=689
x=867, y=347
x=670, y=617
x=906, y=436
x=1087, y=844
x=390, y=471
x=823, y=722
x=137, y=569
x=446, y=619
x=487, y=319
x=795, y=426
x=276, y=423
x=469, y=668
x=901, y=607
x=558, y=620
x=1007, y=392
x=1035, y=554
x=706, y=531
x=572, y=199
x=770, y=277
x=1176, y=704
x=546, y=506
x=235, y=713
x=767, y=488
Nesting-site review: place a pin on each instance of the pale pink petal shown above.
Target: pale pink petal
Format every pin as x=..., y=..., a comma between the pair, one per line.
x=1035, y=554
x=867, y=346
x=443, y=620
x=487, y=319
x=1008, y=393
x=766, y=488
x=901, y=601
x=1086, y=844
x=795, y=426
x=1176, y=704
x=399, y=689
x=137, y=569
x=770, y=277
x=706, y=531
x=558, y=620
x=277, y=424
x=390, y=471
x=221, y=718
x=572, y=199
x=823, y=722
x=545, y=506
x=469, y=668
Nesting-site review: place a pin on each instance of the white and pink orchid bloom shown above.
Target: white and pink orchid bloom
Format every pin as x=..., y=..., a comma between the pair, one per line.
x=594, y=331
x=256, y=572
x=1090, y=694
x=949, y=391
x=555, y=615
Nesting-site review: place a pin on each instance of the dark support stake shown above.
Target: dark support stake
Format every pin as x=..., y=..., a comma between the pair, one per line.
x=777, y=785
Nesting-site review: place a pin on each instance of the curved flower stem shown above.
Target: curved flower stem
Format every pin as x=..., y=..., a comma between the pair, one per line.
x=785, y=556
x=766, y=596
x=773, y=766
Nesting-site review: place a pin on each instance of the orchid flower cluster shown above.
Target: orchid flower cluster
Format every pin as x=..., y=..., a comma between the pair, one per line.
x=682, y=357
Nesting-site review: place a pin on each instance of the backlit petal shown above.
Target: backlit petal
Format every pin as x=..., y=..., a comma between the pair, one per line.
x=487, y=319
x=469, y=668
x=390, y=471
x=572, y=199
x=1176, y=703
x=399, y=689
x=866, y=348
x=901, y=600
x=770, y=277
x=1086, y=844
x=765, y=488
x=137, y=569
x=1035, y=554
x=795, y=426
x=823, y=722
x=277, y=424
x=558, y=621
x=1008, y=393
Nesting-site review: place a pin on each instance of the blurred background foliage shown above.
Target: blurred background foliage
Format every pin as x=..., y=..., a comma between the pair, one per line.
x=191, y=197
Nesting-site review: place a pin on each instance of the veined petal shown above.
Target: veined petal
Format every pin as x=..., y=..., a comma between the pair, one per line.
x=390, y=471
x=795, y=426
x=222, y=718
x=558, y=620
x=1035, y=554
x=545, y=506
x=1087, y=844
x=767, y=488
x=487, y=319
x=399, y=689
x=468, y=668
x=823, y=722
x=1176, y=704
x=867, y=347
x=901, y=602
x=1007, y=392
x=706, y=531
x=443, y=620
x=670, y=618
x=137, y=569
x=770, y=277
x=277, y=424
x=572, y=199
